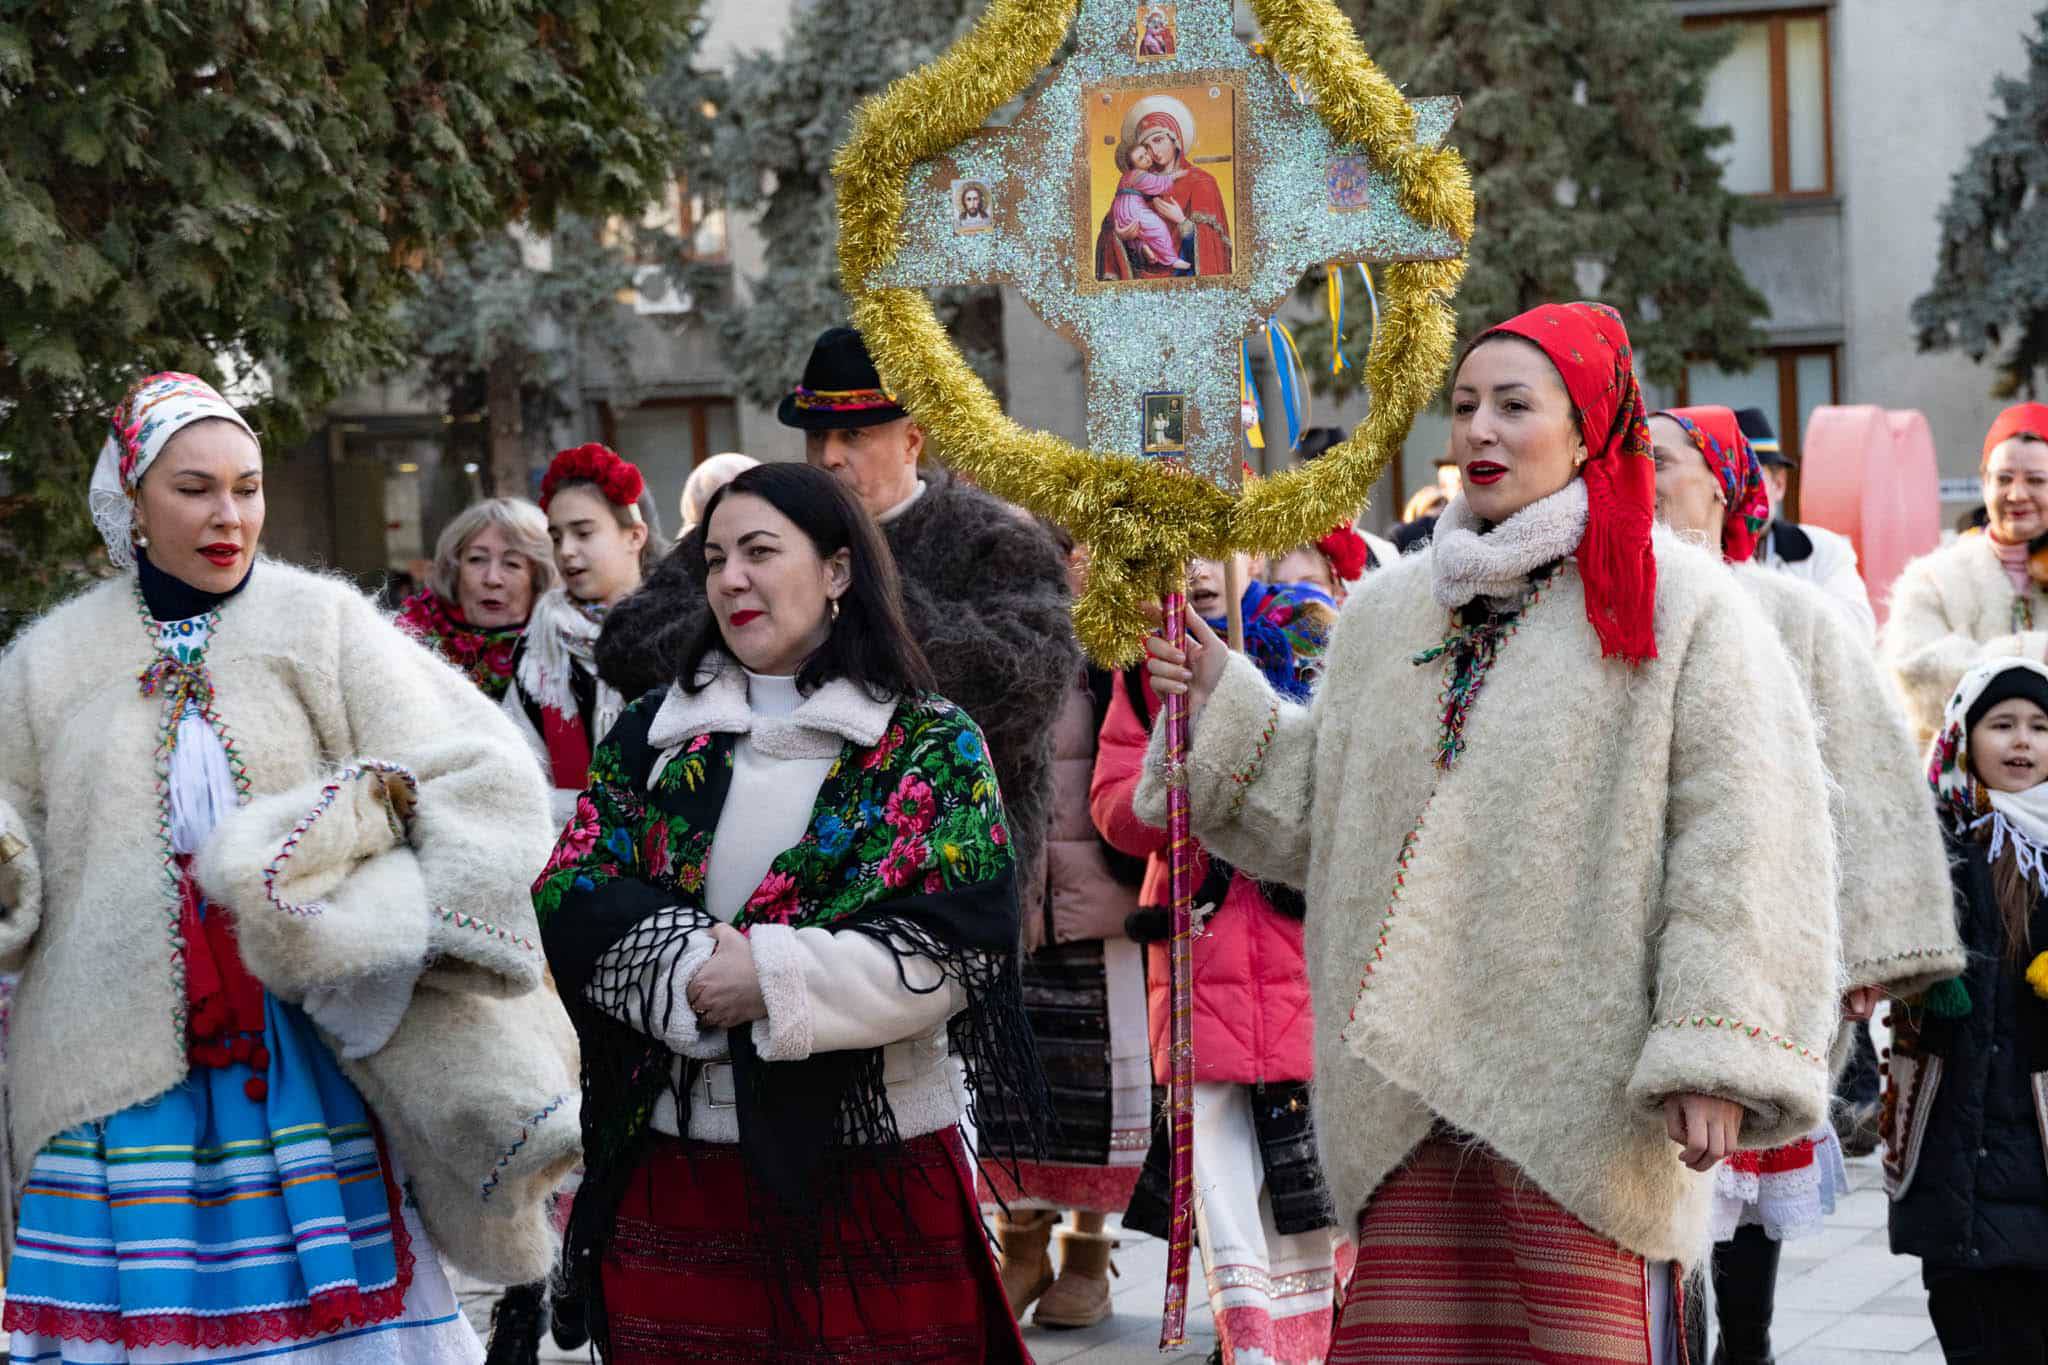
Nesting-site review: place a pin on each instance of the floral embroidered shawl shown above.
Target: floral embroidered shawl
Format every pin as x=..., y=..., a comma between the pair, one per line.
x=907, y=842
x=485, y=655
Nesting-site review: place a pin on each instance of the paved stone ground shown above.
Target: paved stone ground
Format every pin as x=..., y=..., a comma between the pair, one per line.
x=1843, y=1298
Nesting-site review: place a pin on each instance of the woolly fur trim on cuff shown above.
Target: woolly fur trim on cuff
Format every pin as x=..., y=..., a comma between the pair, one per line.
x=786, y=1034
x=1783, y=1083
x=685, y=1034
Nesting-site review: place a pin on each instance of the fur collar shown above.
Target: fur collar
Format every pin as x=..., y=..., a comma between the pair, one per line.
x=1495, y=564
x=839, y=712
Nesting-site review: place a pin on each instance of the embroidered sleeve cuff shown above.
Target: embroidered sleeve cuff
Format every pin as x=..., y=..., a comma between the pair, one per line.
x=1781, y=1082
x=786, y=1035
x=1909, y=971
x=1227, y=748
x=21, y=890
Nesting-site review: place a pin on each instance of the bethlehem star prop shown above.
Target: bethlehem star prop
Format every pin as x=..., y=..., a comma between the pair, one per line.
x=1162, y=191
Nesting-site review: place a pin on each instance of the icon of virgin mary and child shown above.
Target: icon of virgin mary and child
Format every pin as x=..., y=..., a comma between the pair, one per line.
x=1168, y=217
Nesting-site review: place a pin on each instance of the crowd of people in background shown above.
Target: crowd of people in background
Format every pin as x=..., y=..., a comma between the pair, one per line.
x=795, y=897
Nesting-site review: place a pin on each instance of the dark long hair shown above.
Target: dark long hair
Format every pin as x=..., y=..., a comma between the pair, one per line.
x=869, y=643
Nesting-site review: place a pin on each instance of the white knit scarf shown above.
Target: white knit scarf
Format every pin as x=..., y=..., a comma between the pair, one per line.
x=561, y=637
x=1470, y=562
x=2015, y=820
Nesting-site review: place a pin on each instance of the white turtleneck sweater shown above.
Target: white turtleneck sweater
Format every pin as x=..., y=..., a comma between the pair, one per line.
x=768, y=807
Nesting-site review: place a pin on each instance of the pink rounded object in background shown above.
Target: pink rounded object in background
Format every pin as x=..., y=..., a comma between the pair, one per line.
x=1871, y=475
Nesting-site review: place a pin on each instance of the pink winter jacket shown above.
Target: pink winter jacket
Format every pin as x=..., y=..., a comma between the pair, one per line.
x=1252, y=1018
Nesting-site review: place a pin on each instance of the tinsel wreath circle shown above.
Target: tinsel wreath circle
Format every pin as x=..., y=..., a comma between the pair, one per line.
x=1143, y=519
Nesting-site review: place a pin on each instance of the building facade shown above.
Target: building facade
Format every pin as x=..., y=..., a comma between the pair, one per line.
x=1849, y=117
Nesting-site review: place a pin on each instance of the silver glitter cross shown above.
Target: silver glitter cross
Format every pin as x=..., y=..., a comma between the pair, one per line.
x=1162, y=133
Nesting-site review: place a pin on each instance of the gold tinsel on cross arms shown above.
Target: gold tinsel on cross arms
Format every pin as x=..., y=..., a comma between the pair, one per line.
x=1141, y=519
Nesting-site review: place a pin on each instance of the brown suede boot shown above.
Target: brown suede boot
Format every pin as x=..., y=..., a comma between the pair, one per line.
x=1080, y=1296
x=1027, y=1268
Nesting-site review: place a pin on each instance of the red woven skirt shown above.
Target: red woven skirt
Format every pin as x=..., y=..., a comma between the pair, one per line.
x=1462, y=1261
x=905, y=1273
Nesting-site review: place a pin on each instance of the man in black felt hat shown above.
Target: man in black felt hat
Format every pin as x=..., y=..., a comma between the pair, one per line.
x=1813, y=553
x=984, y=587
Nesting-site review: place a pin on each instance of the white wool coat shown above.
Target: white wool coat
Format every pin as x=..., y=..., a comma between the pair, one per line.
x=1896, y=908
x=1581, y=918
x=1951, y=610
x=308, y=678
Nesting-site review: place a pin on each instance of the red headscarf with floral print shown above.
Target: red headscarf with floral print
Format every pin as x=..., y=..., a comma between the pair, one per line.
x=1588, y=344
x=1717, y=435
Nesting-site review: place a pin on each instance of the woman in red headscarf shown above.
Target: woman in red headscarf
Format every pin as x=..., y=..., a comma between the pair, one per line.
x=1984, y=595
x=1552, y=984
x=1897, y=923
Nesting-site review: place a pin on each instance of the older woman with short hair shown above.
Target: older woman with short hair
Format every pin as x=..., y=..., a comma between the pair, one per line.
x=491, y=564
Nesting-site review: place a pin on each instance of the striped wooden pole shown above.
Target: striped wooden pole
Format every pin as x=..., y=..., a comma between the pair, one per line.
x=1181, y=1095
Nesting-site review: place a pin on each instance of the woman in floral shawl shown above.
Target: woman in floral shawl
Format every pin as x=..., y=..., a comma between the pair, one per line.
x=785, y=921
x=491, y=565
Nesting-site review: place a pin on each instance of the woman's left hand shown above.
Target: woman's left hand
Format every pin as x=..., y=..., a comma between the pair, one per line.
x=1859, y=1004
x=1706, y=1126
x=726, y=991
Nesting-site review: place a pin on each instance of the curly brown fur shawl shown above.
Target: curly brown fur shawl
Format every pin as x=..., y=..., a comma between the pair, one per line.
x=985, y=594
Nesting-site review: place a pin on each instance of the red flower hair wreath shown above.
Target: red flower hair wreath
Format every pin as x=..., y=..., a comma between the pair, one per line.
x=618, y=479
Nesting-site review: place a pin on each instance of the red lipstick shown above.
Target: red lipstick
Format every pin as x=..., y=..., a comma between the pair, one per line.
x=222, y=553
x=1484, y=472
x=746, y=617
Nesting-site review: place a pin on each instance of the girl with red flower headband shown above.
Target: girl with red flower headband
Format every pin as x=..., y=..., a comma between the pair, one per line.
x=607, y=535
x=1552, y=982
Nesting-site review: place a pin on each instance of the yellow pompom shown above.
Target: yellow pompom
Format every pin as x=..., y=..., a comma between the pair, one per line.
x=2037, y=975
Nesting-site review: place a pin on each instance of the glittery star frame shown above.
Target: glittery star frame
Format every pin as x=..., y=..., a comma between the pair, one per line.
x=1143, y=518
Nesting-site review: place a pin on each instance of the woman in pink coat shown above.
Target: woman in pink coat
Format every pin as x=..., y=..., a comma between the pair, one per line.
x=1263, y=1216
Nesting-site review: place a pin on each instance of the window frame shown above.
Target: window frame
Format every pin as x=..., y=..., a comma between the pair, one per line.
x=1774, y=22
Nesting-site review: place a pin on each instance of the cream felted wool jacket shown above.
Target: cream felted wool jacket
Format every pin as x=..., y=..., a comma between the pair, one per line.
x=1952, y=609
x=1897, y=912
x=1579, y=919
x=307, y=680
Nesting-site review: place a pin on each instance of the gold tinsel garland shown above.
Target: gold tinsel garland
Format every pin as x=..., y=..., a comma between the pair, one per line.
x=1142, y=519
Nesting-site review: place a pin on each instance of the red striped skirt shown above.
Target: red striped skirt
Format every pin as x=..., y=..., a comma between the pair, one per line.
x=1462, y=1261
x=905, y=1272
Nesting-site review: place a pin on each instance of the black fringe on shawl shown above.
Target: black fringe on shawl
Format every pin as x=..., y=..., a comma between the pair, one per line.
x=799, y=1121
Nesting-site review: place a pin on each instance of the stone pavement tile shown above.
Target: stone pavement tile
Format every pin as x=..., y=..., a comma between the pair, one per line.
x=1861, y=1208
x=1830, y=1355
x=1907, y=1300
x=1791, y=1327
x=1821, y=1246
x=1880, y=1332
x=1848, y=1281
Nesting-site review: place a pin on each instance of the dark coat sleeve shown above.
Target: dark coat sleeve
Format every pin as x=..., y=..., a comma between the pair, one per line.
x=985, y=591
x=646, y=635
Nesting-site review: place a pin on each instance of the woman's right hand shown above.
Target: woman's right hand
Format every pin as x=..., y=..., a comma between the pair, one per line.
x=1194, y=671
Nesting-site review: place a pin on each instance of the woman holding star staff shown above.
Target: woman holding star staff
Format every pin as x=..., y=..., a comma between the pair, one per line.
x=1555, y=704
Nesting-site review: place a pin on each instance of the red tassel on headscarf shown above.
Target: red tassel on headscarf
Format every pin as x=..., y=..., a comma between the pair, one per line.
x=1589, y=346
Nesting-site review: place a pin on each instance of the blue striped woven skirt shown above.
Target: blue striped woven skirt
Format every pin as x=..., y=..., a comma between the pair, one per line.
x=228, y=1221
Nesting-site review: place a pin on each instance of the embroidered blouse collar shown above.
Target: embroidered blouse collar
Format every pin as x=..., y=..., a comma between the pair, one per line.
x=839, y=712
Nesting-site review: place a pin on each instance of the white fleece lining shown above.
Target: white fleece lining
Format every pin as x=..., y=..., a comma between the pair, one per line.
x=1496, y=564
x=786, y=1034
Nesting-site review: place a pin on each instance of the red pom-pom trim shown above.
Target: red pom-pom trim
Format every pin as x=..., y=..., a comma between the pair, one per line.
x=257, y=1089
x=618, y=479
x=1345, y=549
